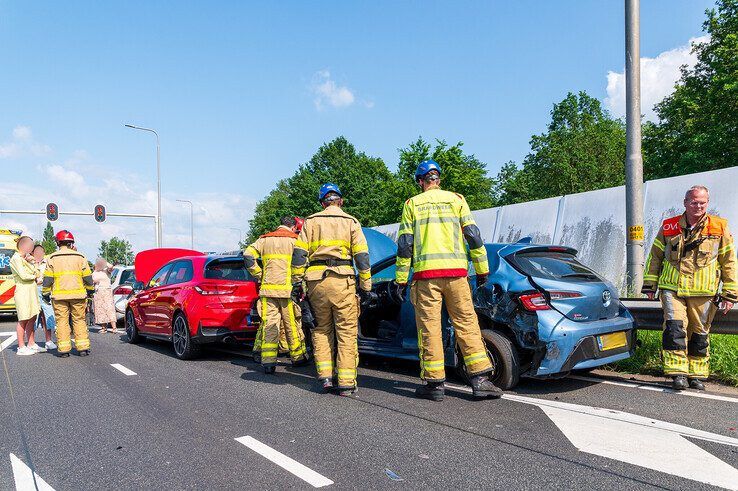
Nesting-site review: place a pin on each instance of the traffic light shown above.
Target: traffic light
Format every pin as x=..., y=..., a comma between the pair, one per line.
x=99, y=213
x=52, y=212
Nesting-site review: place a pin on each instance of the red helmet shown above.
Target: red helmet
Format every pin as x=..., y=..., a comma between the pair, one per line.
x=64, y=236
x=299, y=223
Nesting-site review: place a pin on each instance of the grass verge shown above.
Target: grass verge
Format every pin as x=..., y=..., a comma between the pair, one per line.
x=647, y=358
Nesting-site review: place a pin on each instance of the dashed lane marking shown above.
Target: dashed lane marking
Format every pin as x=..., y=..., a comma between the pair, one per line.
x=25, y=478
x=122, y=369
x=11, y=339
x=655, y=388
x=305, y=473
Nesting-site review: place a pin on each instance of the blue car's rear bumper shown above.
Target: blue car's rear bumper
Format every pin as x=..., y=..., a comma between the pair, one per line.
x=573, y=345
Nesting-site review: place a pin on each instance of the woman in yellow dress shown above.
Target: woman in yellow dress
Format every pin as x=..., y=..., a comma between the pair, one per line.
x=26, y=296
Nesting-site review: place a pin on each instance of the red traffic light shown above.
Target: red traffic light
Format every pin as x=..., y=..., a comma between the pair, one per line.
x=99, y=213
x=52, y=212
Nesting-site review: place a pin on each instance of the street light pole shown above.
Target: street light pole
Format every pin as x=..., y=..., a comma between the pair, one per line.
x=192, y=223
x=633, y=158
x=240, y=235
x=158, y=181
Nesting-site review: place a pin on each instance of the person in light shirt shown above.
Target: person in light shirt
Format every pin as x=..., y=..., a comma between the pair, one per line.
x=46, y=318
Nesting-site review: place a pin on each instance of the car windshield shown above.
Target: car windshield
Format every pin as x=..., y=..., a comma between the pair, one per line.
x=552, y=265
x=386, y=274
x=233, y=270
x=5, y=255
x=127, y=276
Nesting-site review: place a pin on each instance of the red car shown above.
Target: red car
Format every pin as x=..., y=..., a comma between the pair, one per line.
x=192, y=299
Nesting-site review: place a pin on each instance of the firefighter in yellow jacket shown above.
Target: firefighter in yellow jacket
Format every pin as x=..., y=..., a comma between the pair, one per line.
x=431, y=237
x=330, y=244
x=276, y=307
x=692, y=264
x=68, y=283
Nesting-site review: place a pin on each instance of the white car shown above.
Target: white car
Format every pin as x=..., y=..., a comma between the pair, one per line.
x=121, y=282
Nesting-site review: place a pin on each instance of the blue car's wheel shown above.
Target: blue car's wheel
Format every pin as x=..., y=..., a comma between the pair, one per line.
x=504, y=357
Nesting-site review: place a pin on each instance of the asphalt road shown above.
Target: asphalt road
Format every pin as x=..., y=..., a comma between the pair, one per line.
x=80, y=423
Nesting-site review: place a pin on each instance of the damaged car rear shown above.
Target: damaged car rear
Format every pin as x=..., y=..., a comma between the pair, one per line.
x=542, y=312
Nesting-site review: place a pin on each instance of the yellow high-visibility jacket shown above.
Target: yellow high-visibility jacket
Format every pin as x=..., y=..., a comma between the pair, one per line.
x=275, y=251
x=331, y=240
x=67, y=275
x=431, y=237
x=693, y=262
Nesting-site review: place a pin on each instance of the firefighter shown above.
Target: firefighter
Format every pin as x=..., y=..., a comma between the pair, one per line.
x=330, y=244
x=276, y=308
x=68, y=283
x=691, y=256
x=431, y=237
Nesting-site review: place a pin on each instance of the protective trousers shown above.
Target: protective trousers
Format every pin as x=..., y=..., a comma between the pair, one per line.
x=284, y=346
x=336, y=309
x=278, y=314
x=686, y=341
x=428, y=297
x=62, y=311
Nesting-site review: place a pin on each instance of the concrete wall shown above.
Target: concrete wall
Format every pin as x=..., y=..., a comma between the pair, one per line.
x=594, y=222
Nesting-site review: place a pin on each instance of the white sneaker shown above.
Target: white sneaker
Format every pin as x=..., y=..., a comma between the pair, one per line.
x=37, y=348
x=50, y=345
x=25, y=351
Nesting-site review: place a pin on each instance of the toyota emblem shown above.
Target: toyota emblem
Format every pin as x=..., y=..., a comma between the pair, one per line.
x=606, y=298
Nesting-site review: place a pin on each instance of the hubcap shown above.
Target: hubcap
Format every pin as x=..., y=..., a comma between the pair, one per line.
x=179, y=335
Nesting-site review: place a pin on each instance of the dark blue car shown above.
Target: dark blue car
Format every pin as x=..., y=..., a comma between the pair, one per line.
x=543, y=313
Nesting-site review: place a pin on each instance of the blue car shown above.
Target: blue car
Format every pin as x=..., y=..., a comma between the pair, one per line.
x=542, y=312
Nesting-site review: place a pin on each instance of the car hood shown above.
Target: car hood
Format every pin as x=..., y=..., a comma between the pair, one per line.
x=150, y=261
x=380, y=246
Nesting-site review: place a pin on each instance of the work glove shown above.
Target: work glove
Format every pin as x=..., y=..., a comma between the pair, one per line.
x=90, y=293
x=481, y=280
x=367, y=299
x=297, y=293
x=398, y=290
x=46, y=297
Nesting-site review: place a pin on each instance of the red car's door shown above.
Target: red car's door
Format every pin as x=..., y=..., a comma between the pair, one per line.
x=149, y=301
x=170, y=293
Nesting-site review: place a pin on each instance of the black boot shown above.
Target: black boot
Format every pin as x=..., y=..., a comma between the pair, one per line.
x=431, y=390
x=270, y=369
x=327, y=384
x=302, y=361
x=84, y=352
x=343, y=391
x=484, y=388
x=63, y=355
x=696, y=384
x=680, y=382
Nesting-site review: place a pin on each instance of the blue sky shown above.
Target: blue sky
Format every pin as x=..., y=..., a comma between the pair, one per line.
x=243, y=92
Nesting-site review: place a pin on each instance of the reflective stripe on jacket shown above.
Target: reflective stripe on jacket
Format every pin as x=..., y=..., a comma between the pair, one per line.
x=431, y=237
x=331, y=234
x=275, y=251
x=693, y=262
x=67, y=275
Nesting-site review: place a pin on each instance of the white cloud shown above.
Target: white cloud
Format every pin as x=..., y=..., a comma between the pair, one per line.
x=658, y=76
x=328, y=93
x=22, y=144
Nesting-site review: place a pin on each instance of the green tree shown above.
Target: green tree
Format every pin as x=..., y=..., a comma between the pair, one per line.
x=583, y=149
x=365, y=182
x=116, y=251
x=48, y=242
x=698, y=123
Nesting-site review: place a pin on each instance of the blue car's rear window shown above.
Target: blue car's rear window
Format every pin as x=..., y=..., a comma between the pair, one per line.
x=233, y=270
x=553, y=265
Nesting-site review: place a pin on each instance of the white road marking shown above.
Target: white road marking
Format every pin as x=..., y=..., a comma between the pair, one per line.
x=637, y=440
x=305, y=473
x=655, y=388
x=12, y=337
x=123, y=369
x=24, y=477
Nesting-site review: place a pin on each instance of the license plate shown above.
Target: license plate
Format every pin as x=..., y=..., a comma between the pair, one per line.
x=611, y=341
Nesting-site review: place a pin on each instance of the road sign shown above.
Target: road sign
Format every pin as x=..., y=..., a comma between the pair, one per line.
x=52, y=212
x=99, y=213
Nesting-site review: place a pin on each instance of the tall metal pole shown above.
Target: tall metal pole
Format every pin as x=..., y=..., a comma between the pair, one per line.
x=192, y=223
x=158, y=182
x=240, y=235
x=633, y=159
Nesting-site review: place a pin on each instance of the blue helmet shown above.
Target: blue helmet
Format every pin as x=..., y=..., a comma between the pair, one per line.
x=425, y=167
x=326, y=188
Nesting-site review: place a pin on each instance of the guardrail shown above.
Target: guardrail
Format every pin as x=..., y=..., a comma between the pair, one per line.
x=649, y=316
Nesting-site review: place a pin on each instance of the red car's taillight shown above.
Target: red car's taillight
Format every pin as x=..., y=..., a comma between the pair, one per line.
x=208, y=289
x=537, y=301
x=123, y=290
